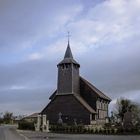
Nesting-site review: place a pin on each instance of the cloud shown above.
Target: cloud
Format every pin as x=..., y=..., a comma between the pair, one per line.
x=35, y=56
x=117, y=21
x=23, y=101
x=25, y=24
x=104, y=40
x=26, y=87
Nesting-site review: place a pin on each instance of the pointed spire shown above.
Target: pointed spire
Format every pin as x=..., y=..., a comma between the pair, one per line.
x=68, y=53
x=68, y=57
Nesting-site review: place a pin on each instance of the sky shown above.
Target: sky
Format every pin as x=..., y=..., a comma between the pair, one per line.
x=105, y=40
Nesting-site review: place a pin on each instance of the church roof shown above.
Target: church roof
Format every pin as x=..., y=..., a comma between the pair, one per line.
x=68, y=57
x=78, y=98
x=53, y=95
x=68, y=53
x=84, y=103
x=97, y=91
x=93, y=88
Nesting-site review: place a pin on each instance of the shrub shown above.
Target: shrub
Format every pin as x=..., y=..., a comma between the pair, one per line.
x=67, y=129
x=84, y=130
x=112, y=131
x=107, y=125
x=92, y=131
x=24, y=125
x=1, y=121
x=96, y=131
x=120, y=131
x=103, y=131
x=100, y=131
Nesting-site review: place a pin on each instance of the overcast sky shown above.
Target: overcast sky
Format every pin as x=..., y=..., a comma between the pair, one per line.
x=105, y=40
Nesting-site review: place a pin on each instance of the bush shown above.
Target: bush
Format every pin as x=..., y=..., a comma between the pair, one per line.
x=24, y=125
x=67, y=129
x=113, y=131
x=1, y=121
x=103, y=131
x=96, y=131
x=120, y=131
x=107, y=125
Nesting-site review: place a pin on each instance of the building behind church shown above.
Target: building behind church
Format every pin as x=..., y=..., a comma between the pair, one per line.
x=75, y=101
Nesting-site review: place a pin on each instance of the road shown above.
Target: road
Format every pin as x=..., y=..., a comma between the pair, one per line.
x=9, y=133
x=53, y=136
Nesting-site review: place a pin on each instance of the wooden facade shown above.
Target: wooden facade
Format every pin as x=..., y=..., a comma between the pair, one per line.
x=76, y=101
x=72, y=110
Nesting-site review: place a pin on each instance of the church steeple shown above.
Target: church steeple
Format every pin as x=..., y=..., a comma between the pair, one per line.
x=68, y=74
x=68, y=53
x=68, y=57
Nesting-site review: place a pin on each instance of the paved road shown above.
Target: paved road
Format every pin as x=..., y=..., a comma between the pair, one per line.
x=9, y=133
x=51, y=136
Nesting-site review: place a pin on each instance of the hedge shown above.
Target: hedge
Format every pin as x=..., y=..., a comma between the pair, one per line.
x=24, y=125
x=83, y=130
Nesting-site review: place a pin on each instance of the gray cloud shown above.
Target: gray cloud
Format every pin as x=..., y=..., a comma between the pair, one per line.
x=24, y=23
x=106, y=47
x=114, y=69
x=26, y=87
x=29, y=73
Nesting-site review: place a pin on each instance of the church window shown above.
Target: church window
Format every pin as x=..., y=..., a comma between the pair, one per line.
x=93, y=117
x=101, y=105
x=106, y=106
x=67, y=66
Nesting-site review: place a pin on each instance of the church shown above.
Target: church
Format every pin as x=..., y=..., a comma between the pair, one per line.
x=75, y=101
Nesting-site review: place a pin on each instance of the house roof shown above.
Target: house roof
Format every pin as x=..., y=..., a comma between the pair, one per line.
x=97, y=91
x=34, y=115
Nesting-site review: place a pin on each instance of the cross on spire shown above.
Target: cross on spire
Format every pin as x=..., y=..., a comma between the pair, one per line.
x=68, y=36
x=68, y=53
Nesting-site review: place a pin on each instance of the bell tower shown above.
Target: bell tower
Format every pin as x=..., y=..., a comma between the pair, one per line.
x=68, y=74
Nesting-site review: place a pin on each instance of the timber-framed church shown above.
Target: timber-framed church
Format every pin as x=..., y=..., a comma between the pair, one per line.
x=75, y=101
